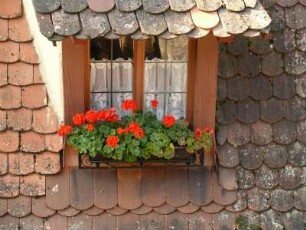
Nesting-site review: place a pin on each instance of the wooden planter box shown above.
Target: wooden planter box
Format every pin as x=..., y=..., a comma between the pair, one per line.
x=181, y=159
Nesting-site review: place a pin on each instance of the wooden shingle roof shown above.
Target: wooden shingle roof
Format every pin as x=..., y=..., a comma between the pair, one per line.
x=87, y=19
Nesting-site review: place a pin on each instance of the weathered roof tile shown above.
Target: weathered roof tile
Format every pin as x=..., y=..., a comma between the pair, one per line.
x=223, y=220
x=176, y=181
x=295, y=109
x=294, y=16
x=284, y=41
x=3, y=29
x=17, y=122
x=117, y=211
x=227, y=178
x=282, y=200
x=19, y=206
x=128, y=220
x=152, y=221
x=260, y=88
x=46, y=6
x=176, y=220
x=2, y=120
x=39, y=207
x=261, y=133
x=3, y=163
x=232, y=22
x=70, y=211
x=122, y=23
x=271, y=110
x=31, y=222
x=45, y=24
x=10, y=97
x=105, y=188
x=145, y=22
x=294, y=219
x=276, y=68
x=19, y=30
x=179, y=23
x=238, y=88
x=301, y=86
x=47, y=163
x=21, y=163
x=33, y=97
x=284, y=132
x=204, y=20
x=9, y=223
x=266, y=178
x=251, y=156
x=45, y=120
x=56, y=222
x=53, y=142
x=259, y=45
x=188, y=208
x=32, y=142
x=164, y=209
x=81, y=188
x=28, y=53
x=153, y=186
x=3, y=74
x=94, y=24
x=301, y=131
x=104, y=221
x=248, y=111
x=299, y=198
x=258, y=200
x=228, y=156
x=228, y=66
x=277, y=14
x=239, y=46
x=221, y=195
x=9, y=141
x=241, y=202
x=142, y=210
x=10, y=9
x=32, y=185
x=200, y=184
x=212, y=208
x=129, y=188
x=221, y=134
x=73, y=6
x=221, y=89
x=238, y=134
x=289, y=177
x=295, y=62
x=275, y=155
x=300, y=39
x=20, y=73
x=227, y=112
x=9, y=186
x=249, y=65
x=155, y=7
x=3, y=207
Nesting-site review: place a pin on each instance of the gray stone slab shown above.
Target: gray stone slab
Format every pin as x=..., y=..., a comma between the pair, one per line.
x=94, y=24
x=151, y=24
x=266, y=178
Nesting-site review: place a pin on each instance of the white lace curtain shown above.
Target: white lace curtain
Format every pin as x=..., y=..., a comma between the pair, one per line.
x=165, y=81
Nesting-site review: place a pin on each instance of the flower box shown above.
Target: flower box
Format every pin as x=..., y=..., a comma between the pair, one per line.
x=181, y=158
x=138, y=139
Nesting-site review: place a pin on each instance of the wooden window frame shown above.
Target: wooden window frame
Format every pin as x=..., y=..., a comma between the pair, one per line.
x=201, y=84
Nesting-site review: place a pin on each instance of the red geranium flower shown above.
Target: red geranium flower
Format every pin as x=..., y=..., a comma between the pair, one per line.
x=79, y=119
x=198, y=133
x=91, y=116
x=138, y=133
x=154, y=103
x=129, y=104
x=90, y=127
x=112, y=141
x=64, y=130
x=115, y=117
x=101, y=115
x=168, y=120
x=120, y=131
x=209, y=130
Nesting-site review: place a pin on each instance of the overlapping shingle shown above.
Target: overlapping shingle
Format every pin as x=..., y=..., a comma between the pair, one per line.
x=80, y=17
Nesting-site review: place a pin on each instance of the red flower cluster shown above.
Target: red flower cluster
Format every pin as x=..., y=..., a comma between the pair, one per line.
x=169, y=120
x=112, y=141
x=108, y=115
x=198, y=133
x=78, y=119
x=129, y=104
x=92, y=116
x=64, y=130
x=134, y=128
x=90, y=127
x=154, y=103
x=209, y=130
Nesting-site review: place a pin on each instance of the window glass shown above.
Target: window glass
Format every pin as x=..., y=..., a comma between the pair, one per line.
x=165, y=76
x=111, y=77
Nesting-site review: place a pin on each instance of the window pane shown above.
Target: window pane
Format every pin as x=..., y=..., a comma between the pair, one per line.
x=165, y=77
x=111, y=73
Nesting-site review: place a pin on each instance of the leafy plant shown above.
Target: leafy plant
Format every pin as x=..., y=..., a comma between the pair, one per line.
x=137, y=136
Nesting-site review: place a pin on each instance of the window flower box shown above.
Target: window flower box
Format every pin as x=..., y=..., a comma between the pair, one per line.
x=137, y=140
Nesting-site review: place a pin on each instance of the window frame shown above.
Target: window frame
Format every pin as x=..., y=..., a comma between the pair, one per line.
x=201, y=97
